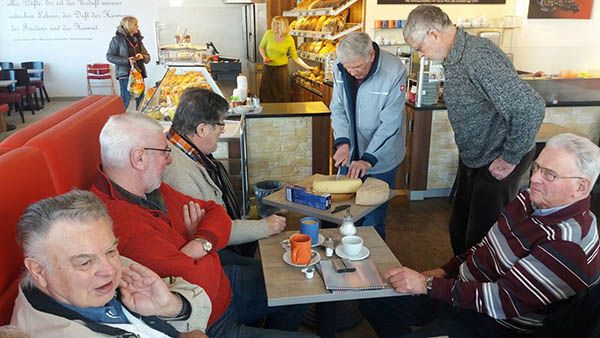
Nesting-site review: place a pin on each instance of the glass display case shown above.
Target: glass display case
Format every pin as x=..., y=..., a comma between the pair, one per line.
x=162, y=101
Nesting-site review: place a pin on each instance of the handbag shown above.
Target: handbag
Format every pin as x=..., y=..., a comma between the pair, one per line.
x=136, y=85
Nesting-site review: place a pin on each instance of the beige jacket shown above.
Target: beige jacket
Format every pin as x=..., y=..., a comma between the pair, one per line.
x=190, y=178
x=41, y=324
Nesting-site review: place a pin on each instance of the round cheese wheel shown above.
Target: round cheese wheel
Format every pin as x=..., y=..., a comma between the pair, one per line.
x=373, y=192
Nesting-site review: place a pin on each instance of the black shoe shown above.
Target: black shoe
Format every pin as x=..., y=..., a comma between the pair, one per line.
x=10, y=127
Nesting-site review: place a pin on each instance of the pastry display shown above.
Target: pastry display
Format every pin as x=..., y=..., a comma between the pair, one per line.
x=165, y=99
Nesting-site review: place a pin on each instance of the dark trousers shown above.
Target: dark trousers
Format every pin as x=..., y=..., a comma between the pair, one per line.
x=393, y=317
x=249, y=304
x=479, y=200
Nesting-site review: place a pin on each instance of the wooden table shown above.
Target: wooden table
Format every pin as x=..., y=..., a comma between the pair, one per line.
x=277, y=199
x=286, y=284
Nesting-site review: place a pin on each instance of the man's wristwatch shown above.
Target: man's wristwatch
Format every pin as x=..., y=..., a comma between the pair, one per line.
x=428, y=284
x=206, y=245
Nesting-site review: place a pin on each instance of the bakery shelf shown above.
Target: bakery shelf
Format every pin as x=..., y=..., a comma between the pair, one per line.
x=319, y=11
x=351, y=27
x=313, y=56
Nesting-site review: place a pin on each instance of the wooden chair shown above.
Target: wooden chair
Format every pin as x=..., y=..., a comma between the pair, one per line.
x=10, y=96
x=100, y=75
x=37, y=79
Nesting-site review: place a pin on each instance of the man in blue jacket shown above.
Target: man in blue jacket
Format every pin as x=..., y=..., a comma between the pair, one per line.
x=367, y=114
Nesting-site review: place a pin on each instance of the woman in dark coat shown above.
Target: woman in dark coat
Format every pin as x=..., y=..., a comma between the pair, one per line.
x=126, y=48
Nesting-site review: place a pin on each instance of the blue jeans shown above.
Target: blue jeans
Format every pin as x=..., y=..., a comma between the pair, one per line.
x=126, y=95
x=249, y=305
x=376, y=217
x=392, y=317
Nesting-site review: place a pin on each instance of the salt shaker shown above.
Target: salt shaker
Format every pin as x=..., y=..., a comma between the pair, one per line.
x=347, y=228
x=328, y=246
x=309, y=272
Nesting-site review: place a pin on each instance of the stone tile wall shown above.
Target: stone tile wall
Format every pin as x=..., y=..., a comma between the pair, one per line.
x=443, y=153
x=279, y=149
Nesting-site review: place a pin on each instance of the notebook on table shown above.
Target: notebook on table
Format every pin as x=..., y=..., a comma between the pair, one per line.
x=366, y=277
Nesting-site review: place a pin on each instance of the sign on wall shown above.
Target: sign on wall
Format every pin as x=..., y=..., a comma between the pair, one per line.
x=560, y=9
x=440, y=2
x=60, y=20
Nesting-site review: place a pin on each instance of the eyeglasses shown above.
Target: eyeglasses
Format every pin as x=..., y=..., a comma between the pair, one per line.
x=166, y=151
x=549, y=175
x=220, y=124
x=420, y=45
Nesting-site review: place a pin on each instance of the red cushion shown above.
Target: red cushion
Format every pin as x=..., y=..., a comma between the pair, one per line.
x=10, y=98
x=21, y=136
x=71, y=148
x=25, y=180
x=3, y=108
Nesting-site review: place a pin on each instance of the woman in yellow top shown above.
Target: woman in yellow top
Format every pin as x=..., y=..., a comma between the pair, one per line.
x=275, y=48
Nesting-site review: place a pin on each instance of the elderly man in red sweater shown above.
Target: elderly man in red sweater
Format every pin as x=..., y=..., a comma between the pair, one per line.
x=177, y=235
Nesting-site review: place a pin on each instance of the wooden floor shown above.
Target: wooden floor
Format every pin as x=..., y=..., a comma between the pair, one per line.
x=417, y=233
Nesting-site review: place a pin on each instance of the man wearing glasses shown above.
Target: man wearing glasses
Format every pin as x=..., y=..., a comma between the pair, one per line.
x=177, y=235
x=543, y=248
x=197, y=125
x=495, y=116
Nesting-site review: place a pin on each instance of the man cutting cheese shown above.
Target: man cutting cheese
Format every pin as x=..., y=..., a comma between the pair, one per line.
x=367, y=114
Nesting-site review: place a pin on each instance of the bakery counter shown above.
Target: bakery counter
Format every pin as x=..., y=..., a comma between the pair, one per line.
x=285, y=142
x=431, y=159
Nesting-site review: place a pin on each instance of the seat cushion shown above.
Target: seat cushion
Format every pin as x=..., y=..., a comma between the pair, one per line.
x=25, y=180
x=71, y=148
x=20, y=137
x=10, y=98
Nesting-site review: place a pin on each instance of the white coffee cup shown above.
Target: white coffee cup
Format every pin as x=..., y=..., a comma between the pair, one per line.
x=352, y=245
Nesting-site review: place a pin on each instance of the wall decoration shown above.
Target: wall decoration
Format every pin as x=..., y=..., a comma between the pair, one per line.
x=440, y=2
x=560, y=9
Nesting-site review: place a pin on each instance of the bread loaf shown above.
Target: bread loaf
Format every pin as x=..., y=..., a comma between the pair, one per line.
x=329, y=184
x=372, y=192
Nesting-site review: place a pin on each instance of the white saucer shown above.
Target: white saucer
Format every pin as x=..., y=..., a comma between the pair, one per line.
x=320, y=239
x=364, y=253
x=287, y=257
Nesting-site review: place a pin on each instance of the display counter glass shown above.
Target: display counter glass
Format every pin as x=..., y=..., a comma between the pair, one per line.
x=162, y=101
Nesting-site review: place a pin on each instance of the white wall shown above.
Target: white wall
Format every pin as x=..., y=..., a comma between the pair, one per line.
x=540, y=44
x=68, y=34
x=554, y=44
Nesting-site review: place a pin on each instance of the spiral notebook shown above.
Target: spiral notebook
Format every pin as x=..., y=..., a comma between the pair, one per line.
x=366, y=276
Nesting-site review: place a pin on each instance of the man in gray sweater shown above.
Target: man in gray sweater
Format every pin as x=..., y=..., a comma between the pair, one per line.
x=495, y=116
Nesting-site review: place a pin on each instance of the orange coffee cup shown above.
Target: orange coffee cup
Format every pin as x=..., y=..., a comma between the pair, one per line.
x=301, y=249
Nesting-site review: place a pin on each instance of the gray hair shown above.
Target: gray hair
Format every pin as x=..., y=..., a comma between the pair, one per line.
x=355, y=46
x=121, y=134
x=422, y=20
x=77, y=206
x=198, y=105
x=587, y=154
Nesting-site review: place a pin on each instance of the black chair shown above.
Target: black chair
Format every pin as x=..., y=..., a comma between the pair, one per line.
x=6, y=65
x=37, y=79
x=9, y=96
x=580, y=318
x=23, y=87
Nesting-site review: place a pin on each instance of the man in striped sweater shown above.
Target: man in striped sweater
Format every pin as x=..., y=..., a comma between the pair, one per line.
x=543, y=248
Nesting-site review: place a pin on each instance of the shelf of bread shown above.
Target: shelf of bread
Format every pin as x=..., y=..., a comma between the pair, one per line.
x=163, y=99
x=317, y=50
x=319, y=7
x=348, y=28
x=311, y=80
